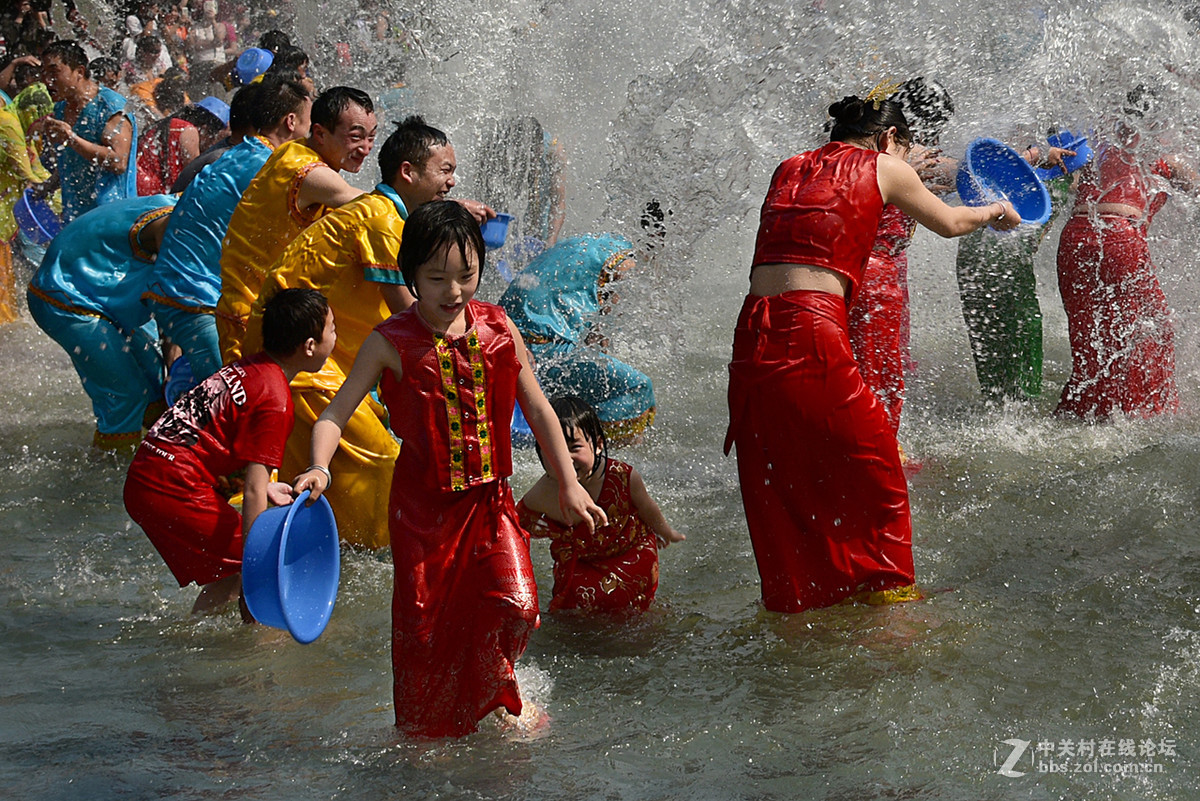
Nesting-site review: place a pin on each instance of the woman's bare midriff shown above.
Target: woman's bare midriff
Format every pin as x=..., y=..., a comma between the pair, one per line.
x=775, y=279
x=1111, y=209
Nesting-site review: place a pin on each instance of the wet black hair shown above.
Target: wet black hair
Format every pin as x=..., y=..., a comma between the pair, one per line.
x=289, y=59
x=654, y=219
x=290, y=318
x=201, y=117
x=432, y=227
x=241, y=108
x=102, y=65
x=170, y=94
x=275, y=98
x=576, y=415
x=67, y=51
x=412, y=141
x=147, y=44
x=273, y=40
x=854, y=118
x=1140, y=100
x=26, y=74
x=927, y=106
x=330, y=104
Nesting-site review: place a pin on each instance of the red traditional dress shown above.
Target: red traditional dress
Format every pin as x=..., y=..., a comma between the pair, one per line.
x=1122, y=339
x=879, y=314
x=614, y=569
x=825, y=497
x=464, y=600
x=240, y=414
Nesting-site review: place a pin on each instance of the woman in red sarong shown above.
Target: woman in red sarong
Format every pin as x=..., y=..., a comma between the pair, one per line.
x=1122, y=339
x=464, y=600
x=822, y=486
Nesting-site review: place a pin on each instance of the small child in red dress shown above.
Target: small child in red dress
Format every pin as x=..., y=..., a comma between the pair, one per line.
x=238, y=418
x=613, y=568
x=450, y=368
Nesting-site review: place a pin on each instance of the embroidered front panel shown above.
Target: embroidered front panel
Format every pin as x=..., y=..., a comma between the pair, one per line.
x=479, y=378
x=445, y=357
x=456, y=419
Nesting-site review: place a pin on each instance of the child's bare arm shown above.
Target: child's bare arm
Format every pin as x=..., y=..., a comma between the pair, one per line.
x=542, y=498
x=254, y=494
x=375, y=354
x=650, y=511
x=574, y=501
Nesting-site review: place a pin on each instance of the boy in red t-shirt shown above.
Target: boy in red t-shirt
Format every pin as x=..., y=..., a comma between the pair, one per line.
x=238, y=418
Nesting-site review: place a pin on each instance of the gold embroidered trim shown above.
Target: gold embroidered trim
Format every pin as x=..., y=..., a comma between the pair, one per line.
x=135, y=231
x=454, y=415
x=58, y=304
x=445, y=357
x=482, y=427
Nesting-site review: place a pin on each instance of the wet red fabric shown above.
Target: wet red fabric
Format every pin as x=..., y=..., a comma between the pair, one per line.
x=464, y=599
x=879, y=314
x=615, y=568
x=1122, y=338
x=1116, y=176
x=240, y=414
x=825, y=497
x=159, y=160
x=822, y=208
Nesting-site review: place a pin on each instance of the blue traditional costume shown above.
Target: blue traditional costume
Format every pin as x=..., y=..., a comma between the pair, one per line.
x=87, y=296
x=554, y=302
x=187, y=280
x=85, y=184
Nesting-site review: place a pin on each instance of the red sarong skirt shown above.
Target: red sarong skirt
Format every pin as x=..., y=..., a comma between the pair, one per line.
x=825, y=497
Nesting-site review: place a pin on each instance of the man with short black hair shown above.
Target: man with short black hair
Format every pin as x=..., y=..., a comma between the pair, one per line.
x=90, y=126
x=298, y=184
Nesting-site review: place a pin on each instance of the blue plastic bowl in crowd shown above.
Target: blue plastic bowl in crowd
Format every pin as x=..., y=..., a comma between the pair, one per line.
x=495, y=231
x=991, y=171
x=291, y=563
x=253, y=62
x=1067, y=141
x=37, y=220
x=216, y=107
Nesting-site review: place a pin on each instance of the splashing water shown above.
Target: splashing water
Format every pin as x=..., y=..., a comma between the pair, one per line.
x=1061, y=558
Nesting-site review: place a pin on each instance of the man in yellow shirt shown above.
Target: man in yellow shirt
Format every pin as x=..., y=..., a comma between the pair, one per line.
x=350, y=255
x=297, y=185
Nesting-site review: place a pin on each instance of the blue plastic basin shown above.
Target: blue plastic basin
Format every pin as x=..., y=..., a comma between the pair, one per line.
x=991, y=171
x=37, y=220
x=1067, y=141
x=495, y=231
x=291, y=563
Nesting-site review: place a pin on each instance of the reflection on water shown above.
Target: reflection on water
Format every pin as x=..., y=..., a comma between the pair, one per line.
x=1061, y=559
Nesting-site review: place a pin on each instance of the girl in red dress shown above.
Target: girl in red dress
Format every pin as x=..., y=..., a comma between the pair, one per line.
x=825, y=497
x=613, y=568
x=464, y=600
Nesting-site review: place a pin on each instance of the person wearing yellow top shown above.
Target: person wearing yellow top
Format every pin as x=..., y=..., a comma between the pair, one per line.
x=350, y=255
x=17, y=171
x=297, y=185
